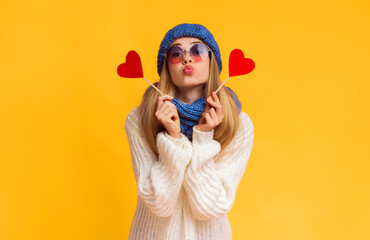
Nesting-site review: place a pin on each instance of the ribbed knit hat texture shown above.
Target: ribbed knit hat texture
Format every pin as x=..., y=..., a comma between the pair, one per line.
x=188, y=30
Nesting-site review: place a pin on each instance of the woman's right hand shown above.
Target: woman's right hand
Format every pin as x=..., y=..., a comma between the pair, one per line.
x=168, y=116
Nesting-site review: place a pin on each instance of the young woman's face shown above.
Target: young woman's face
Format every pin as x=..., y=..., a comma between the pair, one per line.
x=190, y=71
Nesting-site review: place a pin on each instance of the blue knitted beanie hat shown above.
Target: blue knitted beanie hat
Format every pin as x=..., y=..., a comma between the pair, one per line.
x=188, y=30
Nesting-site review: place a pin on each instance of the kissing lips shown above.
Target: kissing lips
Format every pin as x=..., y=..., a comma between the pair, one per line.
x=188, y=69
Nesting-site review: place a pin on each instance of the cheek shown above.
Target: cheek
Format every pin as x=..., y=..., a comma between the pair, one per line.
x=173, y=71
x=205, y=69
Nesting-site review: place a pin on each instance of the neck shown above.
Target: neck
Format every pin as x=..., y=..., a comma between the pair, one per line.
x=189, y=94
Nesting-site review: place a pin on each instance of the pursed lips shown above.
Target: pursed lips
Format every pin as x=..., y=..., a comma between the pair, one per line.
x=188, y=69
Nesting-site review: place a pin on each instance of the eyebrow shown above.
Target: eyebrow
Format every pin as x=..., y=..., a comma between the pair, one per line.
x=178, y=44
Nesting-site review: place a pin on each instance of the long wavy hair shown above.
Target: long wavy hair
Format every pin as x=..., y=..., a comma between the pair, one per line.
x=150, y=125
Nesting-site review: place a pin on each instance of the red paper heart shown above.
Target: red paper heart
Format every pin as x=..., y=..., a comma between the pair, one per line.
x=238, y=65
x=132, y=67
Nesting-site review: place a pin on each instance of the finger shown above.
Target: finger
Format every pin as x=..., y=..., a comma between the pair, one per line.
x=165, y=115
x=170, y=108
x=159, y=103
x=208, y=106
x=165, y=112
x=214, y=116
x=201, y=119
x=166, y=104
x=160, y=108
x=163, y=98
x=209, y=120
x=216, y=105
x=173, y=108
x=212, y=102
x=215, y=97
x=175, y=112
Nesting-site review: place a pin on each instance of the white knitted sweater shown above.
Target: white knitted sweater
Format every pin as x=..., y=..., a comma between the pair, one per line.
x=183, y=193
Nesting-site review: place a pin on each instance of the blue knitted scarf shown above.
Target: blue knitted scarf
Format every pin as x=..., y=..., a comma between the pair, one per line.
x=190, y=113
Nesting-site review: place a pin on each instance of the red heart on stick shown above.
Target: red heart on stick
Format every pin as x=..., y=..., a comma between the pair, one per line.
x=238, y=65
x=132, y=67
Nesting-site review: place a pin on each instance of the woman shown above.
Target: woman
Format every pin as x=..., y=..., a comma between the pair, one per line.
x=189, y=146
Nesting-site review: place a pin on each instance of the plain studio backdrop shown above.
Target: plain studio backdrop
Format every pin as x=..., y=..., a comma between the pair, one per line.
x=65, y=167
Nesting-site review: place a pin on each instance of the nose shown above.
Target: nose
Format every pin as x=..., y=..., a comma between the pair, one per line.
x=187, y=58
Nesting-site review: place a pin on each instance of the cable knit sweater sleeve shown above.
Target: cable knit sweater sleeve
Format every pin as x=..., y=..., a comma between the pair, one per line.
x=159, y=179
x=210, y=185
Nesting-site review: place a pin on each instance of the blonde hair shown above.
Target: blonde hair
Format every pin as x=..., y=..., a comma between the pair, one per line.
x=150, y=126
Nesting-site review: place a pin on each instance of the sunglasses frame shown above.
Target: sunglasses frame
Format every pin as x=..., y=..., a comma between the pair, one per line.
x=186, y=51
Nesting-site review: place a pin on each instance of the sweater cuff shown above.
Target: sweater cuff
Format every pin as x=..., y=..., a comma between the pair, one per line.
x=174, y=152
x=200, y=137
x=179, y=142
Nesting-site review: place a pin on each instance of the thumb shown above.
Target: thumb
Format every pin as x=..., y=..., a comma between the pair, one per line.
x=207, y=108
x=201, y=119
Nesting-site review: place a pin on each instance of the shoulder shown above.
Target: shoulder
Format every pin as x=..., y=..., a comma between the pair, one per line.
x=245, y=122
x=245, y=131
x=132, y=121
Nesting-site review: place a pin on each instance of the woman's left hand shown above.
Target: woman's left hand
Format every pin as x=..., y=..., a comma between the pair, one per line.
x=212, y=115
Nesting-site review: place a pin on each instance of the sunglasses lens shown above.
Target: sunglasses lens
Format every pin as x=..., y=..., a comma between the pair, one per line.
x=199, y=52
x=174, y=54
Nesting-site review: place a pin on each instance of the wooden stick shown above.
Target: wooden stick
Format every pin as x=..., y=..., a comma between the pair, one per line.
x=153, y=86
x=221, y=85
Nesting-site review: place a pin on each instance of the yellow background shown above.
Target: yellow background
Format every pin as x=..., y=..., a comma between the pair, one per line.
x=65, y=168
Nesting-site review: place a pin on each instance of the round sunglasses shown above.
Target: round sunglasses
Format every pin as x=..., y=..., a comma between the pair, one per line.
x=198, y=52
